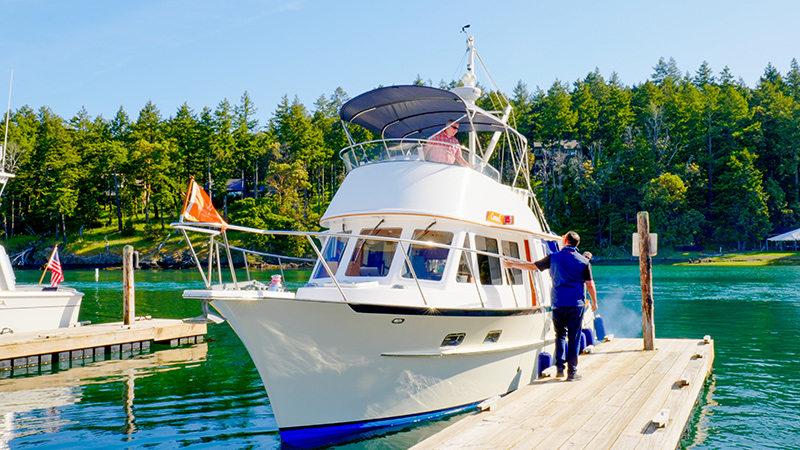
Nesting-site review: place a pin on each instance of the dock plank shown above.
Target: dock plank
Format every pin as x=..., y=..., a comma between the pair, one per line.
x=19, y=345
x=622, y=389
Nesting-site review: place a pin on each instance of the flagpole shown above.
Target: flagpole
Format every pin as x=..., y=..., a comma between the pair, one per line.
x=186, y=200
x=48, y=263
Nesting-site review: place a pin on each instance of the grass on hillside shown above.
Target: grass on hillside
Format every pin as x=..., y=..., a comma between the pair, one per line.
x=748, y=259
x=144, y=238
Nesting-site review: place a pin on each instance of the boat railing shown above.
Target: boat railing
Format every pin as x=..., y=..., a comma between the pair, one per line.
x=214, y=230
x=386, y=150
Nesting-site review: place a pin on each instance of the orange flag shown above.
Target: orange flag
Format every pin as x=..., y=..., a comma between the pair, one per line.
x=198, y=208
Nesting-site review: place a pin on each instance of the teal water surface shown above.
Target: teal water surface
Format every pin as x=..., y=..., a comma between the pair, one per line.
x=210, y=396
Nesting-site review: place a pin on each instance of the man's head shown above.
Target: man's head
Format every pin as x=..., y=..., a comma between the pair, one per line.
x=572, y=239
x=452, y=128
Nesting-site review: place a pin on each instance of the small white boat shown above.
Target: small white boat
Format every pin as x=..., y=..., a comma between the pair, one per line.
x=408, y=314
x=25, y=308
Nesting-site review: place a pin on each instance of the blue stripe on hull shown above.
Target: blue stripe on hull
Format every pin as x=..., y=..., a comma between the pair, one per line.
x=314, y=436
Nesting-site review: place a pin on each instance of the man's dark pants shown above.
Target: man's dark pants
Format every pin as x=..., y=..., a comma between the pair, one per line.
x=568, y=321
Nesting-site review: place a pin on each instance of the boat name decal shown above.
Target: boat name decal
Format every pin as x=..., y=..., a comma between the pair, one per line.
x=496, y=217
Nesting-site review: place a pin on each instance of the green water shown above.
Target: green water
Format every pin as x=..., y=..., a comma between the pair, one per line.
x=210, y=395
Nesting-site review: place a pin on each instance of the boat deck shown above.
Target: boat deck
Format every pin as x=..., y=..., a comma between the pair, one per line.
x=21, y=350
x=618, y=404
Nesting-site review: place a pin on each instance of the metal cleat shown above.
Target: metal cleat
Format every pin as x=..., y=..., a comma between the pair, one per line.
x=661, y=419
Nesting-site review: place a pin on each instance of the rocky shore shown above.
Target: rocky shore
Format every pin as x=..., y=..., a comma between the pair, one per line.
x=36, y=259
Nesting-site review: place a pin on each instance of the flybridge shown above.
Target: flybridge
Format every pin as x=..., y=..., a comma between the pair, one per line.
x=406, y=117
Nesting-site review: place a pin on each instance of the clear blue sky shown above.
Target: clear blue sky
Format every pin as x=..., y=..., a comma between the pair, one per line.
x=106, y=54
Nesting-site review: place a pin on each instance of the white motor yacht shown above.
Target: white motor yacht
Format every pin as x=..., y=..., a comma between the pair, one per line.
x=408, y=314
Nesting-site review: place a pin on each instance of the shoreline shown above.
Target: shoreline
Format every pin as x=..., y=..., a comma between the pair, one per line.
x=752, y=259
x=181, y=260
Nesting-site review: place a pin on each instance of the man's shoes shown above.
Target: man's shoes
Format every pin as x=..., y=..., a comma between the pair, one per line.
x=574, y=377
x=560, y=373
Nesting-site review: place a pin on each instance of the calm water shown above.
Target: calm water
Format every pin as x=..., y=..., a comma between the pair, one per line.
x=210, y=396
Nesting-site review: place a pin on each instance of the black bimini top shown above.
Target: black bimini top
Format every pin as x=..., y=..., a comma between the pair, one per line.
x=413, y=111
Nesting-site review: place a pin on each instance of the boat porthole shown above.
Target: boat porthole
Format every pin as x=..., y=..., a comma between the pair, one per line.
x=492, y=337
x=398, y=320
x=453, y=340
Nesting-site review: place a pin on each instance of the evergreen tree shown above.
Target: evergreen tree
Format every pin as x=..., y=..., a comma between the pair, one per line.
x=725, y=77
x=793, y=80
x=184, y=131
x=57, y=160
x=704, y=75
x=665, y=199
x=665, y=71
x=302, y=147
x=148, y=124
x=558, y=119
x=740, y=206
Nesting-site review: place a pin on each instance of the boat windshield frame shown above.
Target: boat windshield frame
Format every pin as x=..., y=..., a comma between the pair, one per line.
x=216, y=248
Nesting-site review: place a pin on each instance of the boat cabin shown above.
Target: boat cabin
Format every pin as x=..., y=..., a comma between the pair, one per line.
x=458, y=269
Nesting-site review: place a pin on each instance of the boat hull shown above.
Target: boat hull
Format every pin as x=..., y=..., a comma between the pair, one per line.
x=330, y=367
x=29, y=308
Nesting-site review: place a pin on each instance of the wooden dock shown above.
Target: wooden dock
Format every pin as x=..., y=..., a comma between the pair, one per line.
x=628, y=399
x=45, y=348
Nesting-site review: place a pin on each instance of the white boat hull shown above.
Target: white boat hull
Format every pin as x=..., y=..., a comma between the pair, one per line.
x=328, y=362
x=29, y=308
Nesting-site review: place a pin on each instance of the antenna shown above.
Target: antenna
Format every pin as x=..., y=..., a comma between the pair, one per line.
x=4, y=176
x=5, y=139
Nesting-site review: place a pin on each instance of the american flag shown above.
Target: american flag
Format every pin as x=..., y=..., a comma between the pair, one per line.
x=57, y=275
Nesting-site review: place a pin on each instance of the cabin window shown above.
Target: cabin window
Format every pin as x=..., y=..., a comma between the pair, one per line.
x=426, y=260
x=511, y=249
x=372, y=257
x=332, y=253
x=489, y=268
x=463, y=273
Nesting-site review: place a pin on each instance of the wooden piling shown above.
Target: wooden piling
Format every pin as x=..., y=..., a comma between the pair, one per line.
x=128, y=294
x=646, y=276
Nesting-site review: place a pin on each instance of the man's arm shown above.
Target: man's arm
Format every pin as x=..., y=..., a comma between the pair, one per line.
x=519, y=265
x=460, y=158
x=592, y=294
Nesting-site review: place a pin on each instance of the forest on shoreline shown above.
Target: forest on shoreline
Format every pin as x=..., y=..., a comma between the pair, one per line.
x=714, y=161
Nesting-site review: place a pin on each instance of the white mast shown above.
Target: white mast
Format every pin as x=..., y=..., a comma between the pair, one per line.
x=8, y=112
x=4, y=176
x=469, y=92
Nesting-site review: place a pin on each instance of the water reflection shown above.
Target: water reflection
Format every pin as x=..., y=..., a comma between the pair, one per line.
x=211, y=396
x=40, y=406
x=37, y=405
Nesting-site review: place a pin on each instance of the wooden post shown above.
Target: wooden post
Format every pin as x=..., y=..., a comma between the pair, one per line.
x=128, y=295
x=646, y=276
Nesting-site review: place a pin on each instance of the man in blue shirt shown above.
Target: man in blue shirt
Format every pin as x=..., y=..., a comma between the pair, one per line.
x=569, y=270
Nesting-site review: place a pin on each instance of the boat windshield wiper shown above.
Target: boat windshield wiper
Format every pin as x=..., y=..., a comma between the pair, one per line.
x=364, y=241
x=423, y=232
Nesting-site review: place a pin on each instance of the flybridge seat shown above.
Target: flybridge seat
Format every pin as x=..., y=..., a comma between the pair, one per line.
x=393, y=150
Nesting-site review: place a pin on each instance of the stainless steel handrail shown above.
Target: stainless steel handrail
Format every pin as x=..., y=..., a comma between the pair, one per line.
x=208, y=228
x=389, y=149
